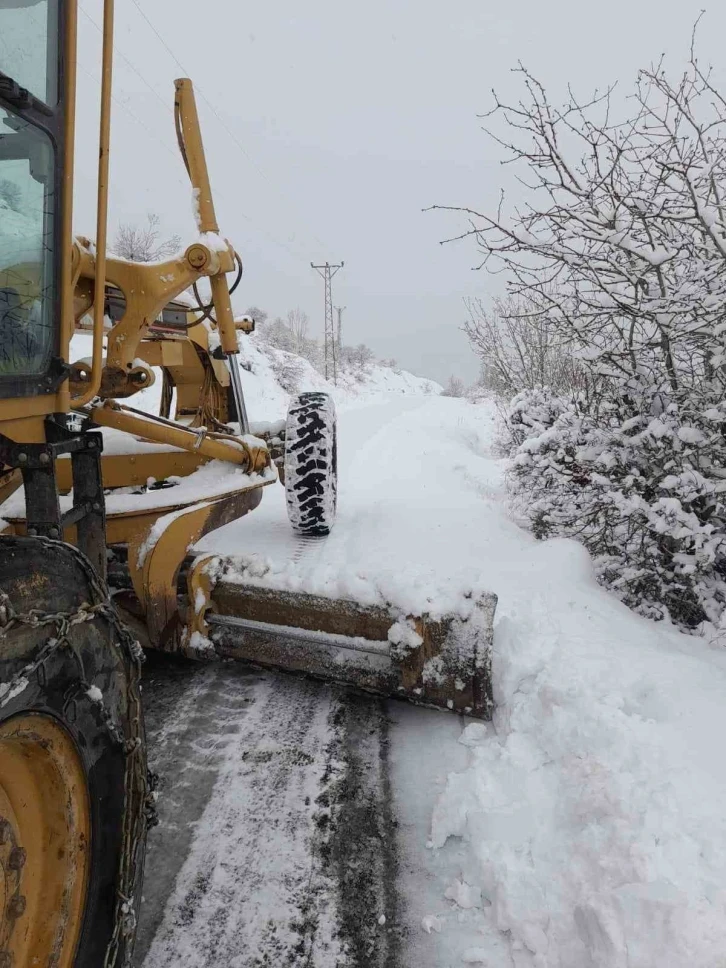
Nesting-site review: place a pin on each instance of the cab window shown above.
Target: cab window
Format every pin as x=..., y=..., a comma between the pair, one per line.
x=26, y=247
x=29, y=46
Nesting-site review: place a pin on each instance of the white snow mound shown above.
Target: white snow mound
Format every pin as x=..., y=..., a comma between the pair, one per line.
x=594, y=807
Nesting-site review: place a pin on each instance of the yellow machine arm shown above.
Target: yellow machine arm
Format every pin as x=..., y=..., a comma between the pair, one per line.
x=147, y=288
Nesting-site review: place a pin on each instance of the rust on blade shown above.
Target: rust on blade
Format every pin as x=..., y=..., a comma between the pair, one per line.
x=322, y=637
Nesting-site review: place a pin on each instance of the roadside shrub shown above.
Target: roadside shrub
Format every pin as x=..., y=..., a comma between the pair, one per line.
x=641, y=485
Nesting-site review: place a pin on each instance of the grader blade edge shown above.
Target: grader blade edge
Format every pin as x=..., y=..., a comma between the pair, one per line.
x=346, y=642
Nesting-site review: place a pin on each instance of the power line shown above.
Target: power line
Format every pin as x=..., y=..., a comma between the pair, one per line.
x=137, y=119
x=297, y=256
x=214, y=111
x=165, y=104
x=327, y=272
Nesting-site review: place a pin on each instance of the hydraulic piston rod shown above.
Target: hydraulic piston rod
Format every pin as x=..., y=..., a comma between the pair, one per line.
x=239, y=399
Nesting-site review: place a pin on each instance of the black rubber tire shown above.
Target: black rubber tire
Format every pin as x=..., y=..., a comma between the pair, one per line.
x=311, y=463
x=49, y=576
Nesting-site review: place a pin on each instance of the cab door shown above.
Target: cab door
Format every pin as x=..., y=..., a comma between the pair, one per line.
x=34, y=235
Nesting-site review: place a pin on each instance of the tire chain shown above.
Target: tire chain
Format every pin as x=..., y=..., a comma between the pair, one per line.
x=140, y=782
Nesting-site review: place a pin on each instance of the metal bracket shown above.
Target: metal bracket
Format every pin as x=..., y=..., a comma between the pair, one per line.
x=37, y=463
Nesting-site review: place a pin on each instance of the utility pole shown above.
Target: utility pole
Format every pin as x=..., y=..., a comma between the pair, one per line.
x=327, y=272
x=339, y=311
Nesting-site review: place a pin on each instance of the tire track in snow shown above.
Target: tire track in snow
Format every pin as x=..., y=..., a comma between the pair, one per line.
x=185, y=721
x=359, y=845
x=306, y=548
x=287, y=857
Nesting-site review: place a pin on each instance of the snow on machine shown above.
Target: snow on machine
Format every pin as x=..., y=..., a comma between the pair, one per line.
x=103, y=503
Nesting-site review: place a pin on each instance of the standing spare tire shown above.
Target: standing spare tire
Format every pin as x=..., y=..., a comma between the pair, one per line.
x=73, y=781
x=311, y=463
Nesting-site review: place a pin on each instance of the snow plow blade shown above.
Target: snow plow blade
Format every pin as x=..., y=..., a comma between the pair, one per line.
x=444, y=662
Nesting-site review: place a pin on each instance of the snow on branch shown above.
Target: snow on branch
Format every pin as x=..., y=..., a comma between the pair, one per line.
x=624, y=219
x=612, y=340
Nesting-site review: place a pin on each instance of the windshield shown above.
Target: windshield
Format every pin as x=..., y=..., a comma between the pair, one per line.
x=26, y=236
x=29, y=45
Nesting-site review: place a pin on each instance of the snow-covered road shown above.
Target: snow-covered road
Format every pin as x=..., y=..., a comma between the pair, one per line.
x=408, y=531
x=294, y=815
x=584, y=828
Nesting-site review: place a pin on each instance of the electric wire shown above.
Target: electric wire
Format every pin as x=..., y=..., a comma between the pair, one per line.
x=124, y=107
x=125, y=59
x=297, y=256
x=214, y=111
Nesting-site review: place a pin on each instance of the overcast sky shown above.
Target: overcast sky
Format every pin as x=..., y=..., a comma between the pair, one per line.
x=347, y=119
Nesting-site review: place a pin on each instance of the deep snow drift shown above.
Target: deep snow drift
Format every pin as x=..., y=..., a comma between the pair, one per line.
x=267, y=398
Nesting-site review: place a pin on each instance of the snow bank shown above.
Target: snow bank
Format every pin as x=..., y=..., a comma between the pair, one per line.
x=270, y=376
x=593, y=805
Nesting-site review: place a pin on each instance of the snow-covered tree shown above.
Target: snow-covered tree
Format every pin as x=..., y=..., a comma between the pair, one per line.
x=623, y=241
x=290, y=335
x=622, y=247
x=360, y=356
x=455, y=387
x=298, y=322
x=277, y=334
x=519, y=349
x=260, y=316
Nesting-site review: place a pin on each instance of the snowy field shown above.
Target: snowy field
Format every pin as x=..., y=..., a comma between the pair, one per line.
x=591, y=810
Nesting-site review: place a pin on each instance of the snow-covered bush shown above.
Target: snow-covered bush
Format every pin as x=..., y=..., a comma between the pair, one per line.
x=619, y=259
x=641, y=486
x=533, y=411
x=288, y=370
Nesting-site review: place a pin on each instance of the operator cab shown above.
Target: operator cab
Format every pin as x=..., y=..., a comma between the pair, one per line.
x=31, y=151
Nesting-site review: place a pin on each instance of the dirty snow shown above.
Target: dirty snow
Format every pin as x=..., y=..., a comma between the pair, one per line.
x=274, y=838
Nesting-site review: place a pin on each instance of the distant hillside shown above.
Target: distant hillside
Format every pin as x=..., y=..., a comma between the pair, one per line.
x=271, y=376
x=274, y=375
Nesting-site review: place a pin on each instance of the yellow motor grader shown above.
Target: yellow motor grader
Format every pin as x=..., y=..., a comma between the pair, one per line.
x=101, y=504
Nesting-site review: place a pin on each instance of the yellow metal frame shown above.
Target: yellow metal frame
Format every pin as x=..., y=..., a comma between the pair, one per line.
x=102, y=204
x=158, y=539
x=252, y=456
x=23, y=418
x=148, y=288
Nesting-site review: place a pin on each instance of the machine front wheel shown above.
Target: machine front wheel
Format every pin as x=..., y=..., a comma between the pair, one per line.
x=73, y=780
x=311, y=463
